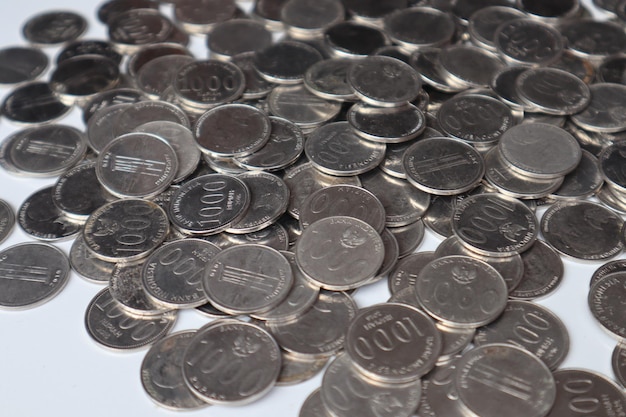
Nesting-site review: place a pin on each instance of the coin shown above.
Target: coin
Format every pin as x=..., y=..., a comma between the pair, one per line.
x=404, y=274
x=617, y=265
x=201, y=19
x=604, y=299
x=582, y=182
x=156, y=75
x=32, y=273
x=328, y=79
x=610, y=38
x=528, y=42
x=484, y=22
x=32, y=103
x=307, y=19
x=420, y=27
x=41, y=219
x=409, y=237
x=251, y=36
x=286, y=62
x=205, y=84
x=54, y=27
x=313, y=406
x=484, y=66
x=126, y=287
x=21, y=64
x=87, y=265
x=353, y=40
x=89, y=47
x=439, y=395
x=139, y=113
x=611, y=160
x=130, y=30
x=257, y=87
x=543, y=272
x=618, y=363
x=602, y=114
x=386, y=125
x=7, y=220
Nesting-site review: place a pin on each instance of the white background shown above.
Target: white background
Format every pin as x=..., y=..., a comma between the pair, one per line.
x=50, y=367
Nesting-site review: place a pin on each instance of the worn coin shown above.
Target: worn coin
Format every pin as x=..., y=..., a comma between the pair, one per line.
x=41, y=219
x=605, y=299
x=20, y=64
x=543, y=272
x=386, y=125
x=31, y=274
x=85, y=264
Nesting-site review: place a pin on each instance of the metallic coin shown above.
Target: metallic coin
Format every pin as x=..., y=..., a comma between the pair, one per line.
x=597, y=392
x=295, y=370
x=339, y=253
x=530, y=326
x=409, y=237
x=274, y=236
x=612, y=69
x=200, y=17
x=41, y=219
x=7, y=220
x=618, y=265
x=156, y=75
x=313, y=406
x=593, y=39
x=494, y=379
x=20, y=64
x=209, y=358
x=583, y=182
x=172, y=274
x=404, y=274
x=611, y=161
x=393, y=343
x=286, y=62
x=494, y=225
x=484, y=22
x=343, y=200
x=269, y=198
x=149, y=52
x=336, y=150
x=256, y=86
x=453, y=340
x=162, y=373
x=477, y=119
x=603, y=114
x=320, y=331
x=143, y=112
x=205, y=84
x=130, y=30
x=503, y=84
x=32, y=273
x=328, y=79
x=426, y=62
x=618, y=363
x=605, y=298
x=127, y=289
x=232, y=130
x=111, y=326
x=87, y=265
x=438, y=217
x=209, y=204
x=307, y=19
x=110, y=9
x=371, y=11
x=443, y=166
x=101, y=126
x=528, y=42
x=543, y=272
x=461, y=291
x=439, y=395
x=54, y=28
x=33, y=103
x=345, y=392
x=386, y=125
x=353, y=40
x=298, y=105
x=268, y=13
x=383, y=81
x=564, y=224
x=110, y=98
x=580, y=67
x=454, y=68
x=559, y=11
x=233, y=37
x=125, y=230
x=419, y=27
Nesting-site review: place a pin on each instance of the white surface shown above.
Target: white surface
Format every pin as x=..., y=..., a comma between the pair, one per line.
x=50, y=367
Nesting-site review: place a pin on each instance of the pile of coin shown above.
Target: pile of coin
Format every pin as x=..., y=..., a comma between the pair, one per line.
x=264, y=185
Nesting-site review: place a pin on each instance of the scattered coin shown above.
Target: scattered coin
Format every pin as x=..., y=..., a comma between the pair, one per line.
x=21, y=64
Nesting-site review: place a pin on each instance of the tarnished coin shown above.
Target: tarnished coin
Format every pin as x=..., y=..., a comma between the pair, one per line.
x=345, y=392
x=383, y=81
x=497, y=379
x=339, y=253
x=162, y=373
x=605, y=300
x=443, y=166
x=31, y=274
x=461, y=291
x=320, y=331
x=343, y=200
x=236, y=36
x=20, y=64
x=298, y=105
x=54, y=27
x=530, y=326
x=528, y=42
x=583, y=230
x=214, y=380
x=420, y=27
x=125, y=230
x=328, y=79
x=7, y=220
x=543, y=272
x=246, y=279
x=286, y=62
x=33, y=103
x=386, y=125
x=209, y=204
x=137, y=165
x=604, y=396
x=494, y=225
x=205, y=84
x=618, y=363
x=127, y=289
x=41, y=219
x=605, y=110
x=404, y=274
x=393, y=343
x=85, y=264
x=336, y=150
x=109, y=325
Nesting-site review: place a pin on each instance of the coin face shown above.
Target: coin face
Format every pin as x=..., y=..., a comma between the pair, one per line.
x=41, y=219
x=604, y=302
x=33, y=102
x=528, y=42
x=53, y=28
x=7, y=220
x=21, y=64
x=618, y=363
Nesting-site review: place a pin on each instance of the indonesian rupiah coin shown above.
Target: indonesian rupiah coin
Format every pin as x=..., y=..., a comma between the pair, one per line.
x=605, y=302
x=7, y=220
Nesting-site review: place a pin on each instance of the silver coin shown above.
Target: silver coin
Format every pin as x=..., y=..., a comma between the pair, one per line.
x=420, y=27
x=461, y=291
x=528, y=42
x=409, y=237
x=269, y=198
x=32, y=273
x=611, y=70
x=87, y=265
x=618, y=363
x=298, y=105
x=383, y=81
x=404, y=274
x=162, y=373
x=231, y=362
x=257, y=87
x=600, y=394
x=603, y=114
x=41, y=219
x=484, y=22
x=530, y=326
x=274, y=236
x=102, y=124
x=617, y=265
x=209, y=204
x=402, y=203
x=143, y=112
x=543, y=272
x=88, y=47
x=268, y=13
x=503, y=84
x=345, y=392
x=453, y=340
x=563, y=9
x=583, y=182
x=200, y=18
x=540, y=150
x=295, y=370
x=439, y=395
x=205, y=84
x=426, y=62
x=21, y=64
x=147, y=53
x=232, y=130
x=328, y=79
x=580, y=67
x=594, y=39
x=313, y=406
x=247, y=279
x=497, y=379
x=283, y=148
x=494, y=225
x=130, y=30
x=386, y=125
x=343, y=200
x=453, y=61
x=604, y=300
x=125, y=230
x=564, y=224
x=172, y=274
x=232, y=37
x=611, y=161
x=305, y=179
x=339, y=253
x=307, y=19
x=126, y=287
x=393, y=343
x=286, y=62
x=54, y=28
x=353, y=40
x=7, y=220
x=320, y=331
x=609, y=199
x=110, y=98
x=476, y=119
x=443, y=166
x=156, y=75
x=32, y=103
x=336, y=150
